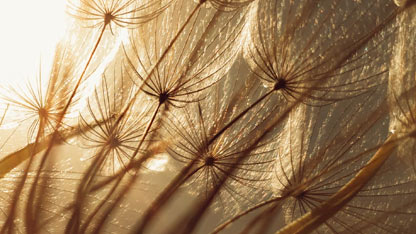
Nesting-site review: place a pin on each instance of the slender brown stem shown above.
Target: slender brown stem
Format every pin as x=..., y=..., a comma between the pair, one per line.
x=61, y=116
x=163, y=197
x=235, y=218
x=165, y=52
x=135, y=164
x=89, y=219
x=65, y=109
x=147, y=130
x=239, y=116
x=313, y=219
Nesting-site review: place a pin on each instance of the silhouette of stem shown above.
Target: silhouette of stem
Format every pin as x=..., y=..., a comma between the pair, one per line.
x=322, y=213
x=239, y=116
x=235, y=218
x=164, y=196
x=55, y=134
x=147, y=130
x=135, y=164
x=165, y=52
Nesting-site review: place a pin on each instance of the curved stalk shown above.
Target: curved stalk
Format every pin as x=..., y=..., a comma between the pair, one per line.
x=11, y=161
x=165, y=52
x=119, y=178
x=239, y=116
x=313, y=219
x=120, y=175
x=235, y=218
x=55, y=134
x=147, y=130
x=135, y=164
x=179, y=180
x=16, y=158
x=165, y=195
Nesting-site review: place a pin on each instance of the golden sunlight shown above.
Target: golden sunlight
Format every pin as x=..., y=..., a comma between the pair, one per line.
x=158, y=163
x=208, y=116
x=30, y=31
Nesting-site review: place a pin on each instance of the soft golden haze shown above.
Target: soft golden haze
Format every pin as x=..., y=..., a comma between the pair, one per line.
x=30, y=31
x=208, y=116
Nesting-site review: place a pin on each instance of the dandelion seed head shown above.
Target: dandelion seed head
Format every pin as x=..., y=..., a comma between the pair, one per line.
x=120, y=13
x=104, y=130
x=113, y=141
x=284, y=43
x=163, y=97
x=209, y=161
x=280, y=84
x=108, y=17
x=43, y=112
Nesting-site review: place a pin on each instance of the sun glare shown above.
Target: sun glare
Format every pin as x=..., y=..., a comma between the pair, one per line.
x=158, y=163
x=29, y=32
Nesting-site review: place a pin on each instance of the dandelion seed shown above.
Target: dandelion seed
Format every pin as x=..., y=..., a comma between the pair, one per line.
x=117, y=12
x=113, y=140
x=41, y=103
x=122, y=13
x=213, y=159
x=336, y=55
x=207, y=160
x=311, y=175
x=182, y=64
x=201, y=55
x=306, y=177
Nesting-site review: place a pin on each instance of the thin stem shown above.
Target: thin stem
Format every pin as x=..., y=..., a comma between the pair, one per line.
x=313, y=219
x=235, y=218
x=147, y=130
x=135, y=164
x=61, y=116
x=165, y=195
x=119, y=178
x=4, y=114
x=239, y=116
x=59, y=122
x=89, y=219
x=165, y=52
x=65, y=109
x=29, y=215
